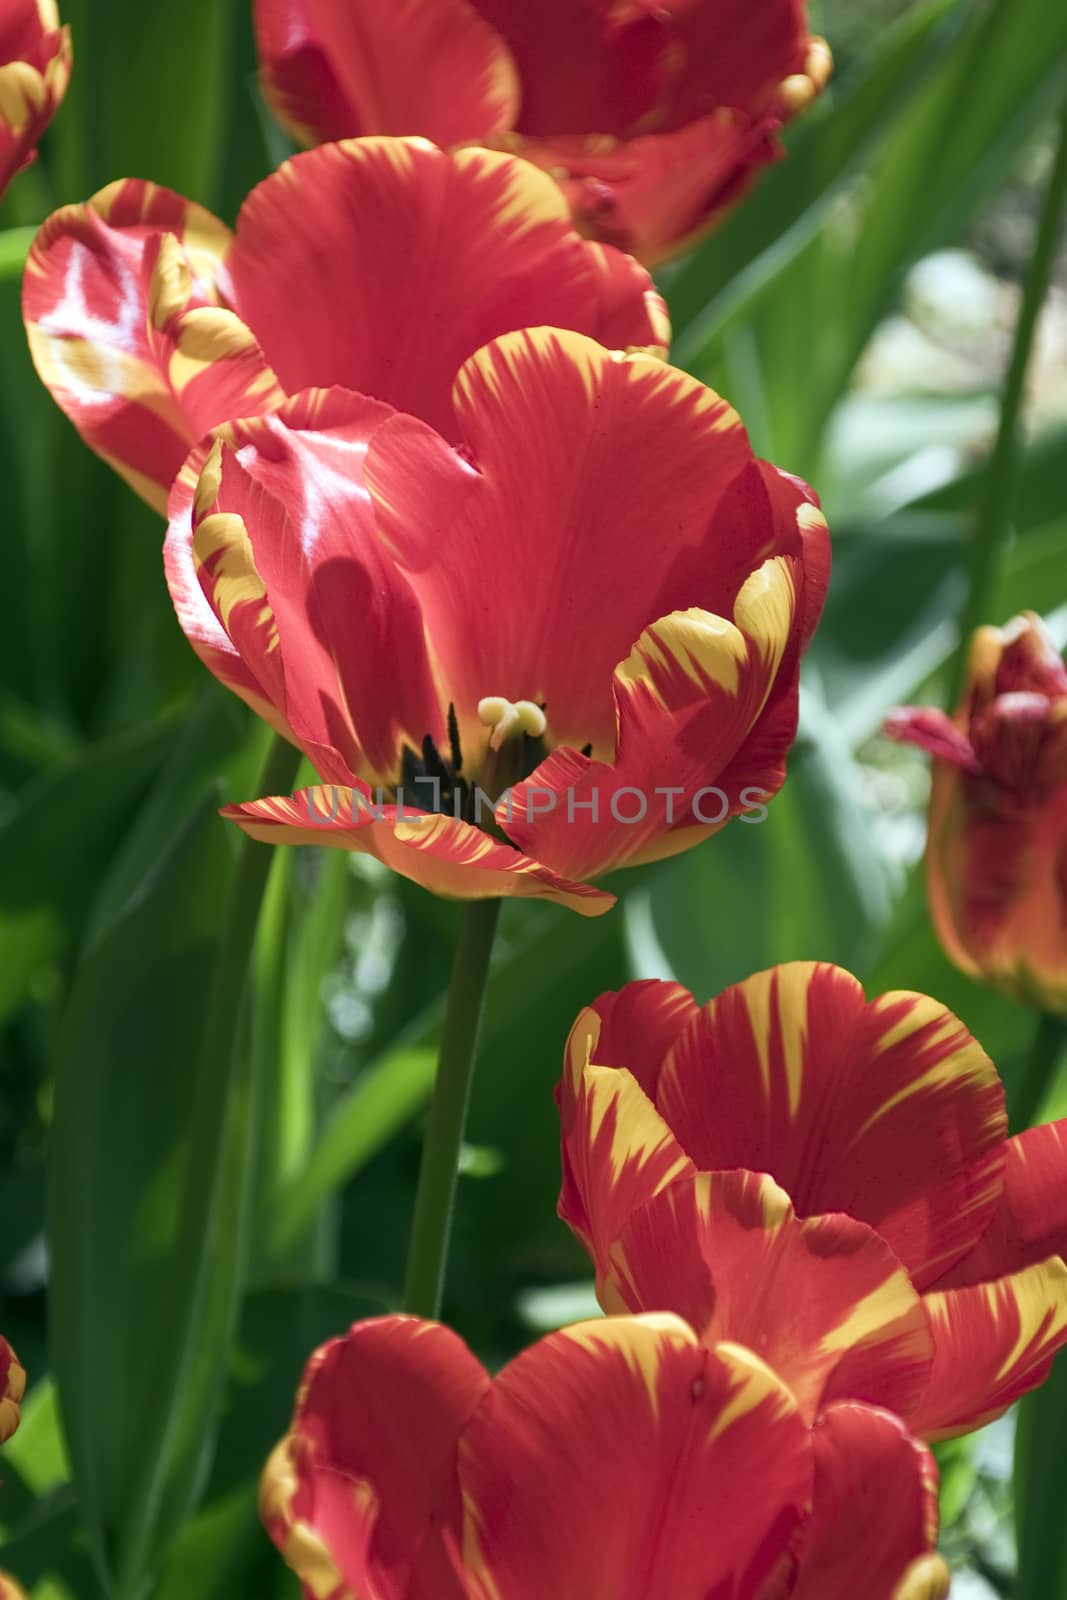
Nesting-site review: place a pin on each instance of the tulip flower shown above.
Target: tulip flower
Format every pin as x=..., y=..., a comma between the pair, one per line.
x=654, y=119
x=618, y=1457
x=379, y=265
x=567, y=642
x=998, y=814
x=35, y=60
x=12, y=1388
x=825, y=1180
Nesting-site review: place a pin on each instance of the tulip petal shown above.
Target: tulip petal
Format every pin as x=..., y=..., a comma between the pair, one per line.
x=285, y=501
x=9, y=1589
x=35, y=63
x=85, y=301
x=422, y=258
x=446, y=856
x=333, y=68
x=562, y=480
x=736, y=54
x=653, y=196
x=360, y=1495
x=992, y=1343
x=824, y=1301
x=637, y=1025
x=12, y=1389
x=632, y=1027
x=888, y=1111
x=1030, y=1222
x=688, y=696
x=209, y=359
x=619, y=1458
x=874, y=1525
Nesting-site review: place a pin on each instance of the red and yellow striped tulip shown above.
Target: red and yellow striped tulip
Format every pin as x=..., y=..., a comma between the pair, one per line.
x=653, y=118
x=380, y=265
x=621, y=1457
x=35, y=60
x=574, y=625
x=12, y=1389
x=998, y=814
x=825, y=1180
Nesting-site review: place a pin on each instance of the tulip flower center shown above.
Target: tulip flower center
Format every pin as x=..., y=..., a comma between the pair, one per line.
x=510, y=719
x=434, y=782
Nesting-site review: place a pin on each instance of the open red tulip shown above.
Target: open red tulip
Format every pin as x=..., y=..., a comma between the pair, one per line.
x=380, y=265
x=825, y=1180
x=567, y=642
x=35, y=60
x=654, y=118
x=618, y=1457
x=998, y=814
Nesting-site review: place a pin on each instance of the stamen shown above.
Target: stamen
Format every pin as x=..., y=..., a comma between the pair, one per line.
x=508, y=718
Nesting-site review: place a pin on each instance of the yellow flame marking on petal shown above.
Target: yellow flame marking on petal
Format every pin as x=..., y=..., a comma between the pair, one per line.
x=638, y=1340
x=928, y=1578
x=966, y=1064
x=765, y=609
x=640, y=1133
x=756, y=1386
x=208, y=483
x=706, y=648
x=527, y=197
x=756, y=993
x=304, y=1551
x=210, y=334
x=1040, y=1295
x=583, y=1040
x=878, y=1310
x=792, y=1014
x=235, y=580
x=809, y=517
x=171, y=288
x=23, y=94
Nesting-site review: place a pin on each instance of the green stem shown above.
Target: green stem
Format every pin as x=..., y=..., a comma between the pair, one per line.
x=435, y=1196
x=1049, y=1040
x=223, y=1070
x=994, y=517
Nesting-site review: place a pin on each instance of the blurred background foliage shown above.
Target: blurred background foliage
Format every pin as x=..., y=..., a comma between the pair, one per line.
x=858, y=309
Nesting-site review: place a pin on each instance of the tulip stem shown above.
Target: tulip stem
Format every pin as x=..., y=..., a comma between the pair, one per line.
x=994, y=514
x=435, y=1196
x=1045, y=1052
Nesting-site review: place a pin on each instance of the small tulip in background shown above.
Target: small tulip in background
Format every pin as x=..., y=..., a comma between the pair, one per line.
x=35, y=61
x=654, y=119
x=621, y=1458
x=996, y=854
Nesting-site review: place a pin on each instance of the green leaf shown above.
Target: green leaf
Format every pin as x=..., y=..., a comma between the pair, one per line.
x=45, y=888
x=224, y=1550
x=129, y=1041
x=785, y=351
x=1039, y=1490
x=806, y=883
x=823, y=148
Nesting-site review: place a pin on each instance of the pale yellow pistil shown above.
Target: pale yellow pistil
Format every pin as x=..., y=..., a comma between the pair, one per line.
x=510, y=718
